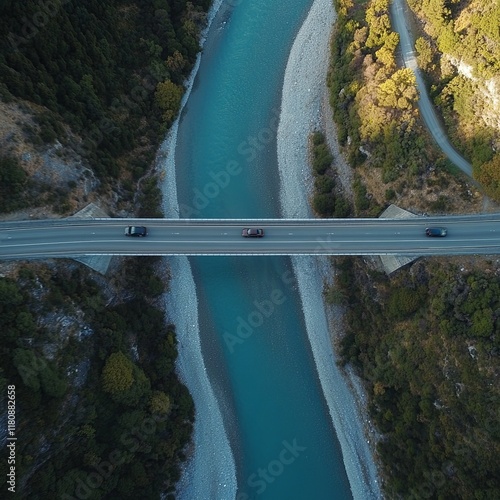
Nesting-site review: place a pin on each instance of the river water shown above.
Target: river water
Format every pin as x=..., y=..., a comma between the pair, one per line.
x=262, y=417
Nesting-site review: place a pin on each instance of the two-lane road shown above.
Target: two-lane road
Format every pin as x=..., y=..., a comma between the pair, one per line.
x=477, y=234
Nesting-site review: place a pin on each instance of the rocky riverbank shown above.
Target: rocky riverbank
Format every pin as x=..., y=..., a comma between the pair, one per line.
x=305, y=108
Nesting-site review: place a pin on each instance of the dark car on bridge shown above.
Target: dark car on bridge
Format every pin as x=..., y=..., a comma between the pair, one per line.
x=436, y=231
x=252, y=233
x=138, y=231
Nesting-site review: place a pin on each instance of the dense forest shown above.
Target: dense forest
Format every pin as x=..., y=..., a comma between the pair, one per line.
x=110, y=72
x=100, y=411
x=99, y=406
x=425, y=340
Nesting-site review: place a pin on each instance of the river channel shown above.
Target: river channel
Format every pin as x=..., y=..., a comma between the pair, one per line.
x=249, y=314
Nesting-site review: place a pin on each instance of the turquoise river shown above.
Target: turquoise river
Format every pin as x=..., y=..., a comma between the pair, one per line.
x=251, y=322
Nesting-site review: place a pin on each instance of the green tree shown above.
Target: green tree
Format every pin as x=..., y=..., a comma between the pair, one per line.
x=168, y=97
x=342, y=207
x=117, y=373
x=12, y=182
x=52, y=384
x=483, y=323
x=322, y=159
x=25, y=323
x=448, y=39
x=425, y=54
x=323, y=184
x=379, y=24
x=28, y=365
x=9, y=295
x=176, y=64
x=399, y=91
x=138, y=393
x=386, y=54
x=160, y=403
x=324, y=204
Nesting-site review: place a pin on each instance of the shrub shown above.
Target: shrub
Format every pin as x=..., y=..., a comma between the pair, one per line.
x=324, y=204
x=360, y=198
x=403, y=302
x=322, y=159
x=318, y=138
x=440, y=204
x=390, y=194
x=324, y=184
x=342, y=207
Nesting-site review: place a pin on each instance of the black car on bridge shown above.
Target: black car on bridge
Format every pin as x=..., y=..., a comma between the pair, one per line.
x=137, y=231
x=436, y=231
x=252, y=233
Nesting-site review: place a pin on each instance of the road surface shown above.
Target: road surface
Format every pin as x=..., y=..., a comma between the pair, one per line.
x=472, y=234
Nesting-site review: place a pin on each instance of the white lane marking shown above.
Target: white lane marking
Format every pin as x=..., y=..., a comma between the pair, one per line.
x=365, y=245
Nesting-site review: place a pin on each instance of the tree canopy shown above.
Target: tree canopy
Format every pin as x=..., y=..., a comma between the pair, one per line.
x=424, y=342
x=117, y=373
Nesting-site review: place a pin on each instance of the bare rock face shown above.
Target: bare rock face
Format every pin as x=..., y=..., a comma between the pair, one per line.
x=53, y=167
x=486, y=95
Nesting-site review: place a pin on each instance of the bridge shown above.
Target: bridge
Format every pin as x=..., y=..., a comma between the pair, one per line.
x=51, y=238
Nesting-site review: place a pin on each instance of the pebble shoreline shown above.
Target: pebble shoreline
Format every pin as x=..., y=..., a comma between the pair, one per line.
x=305, y=108
x=210, y=471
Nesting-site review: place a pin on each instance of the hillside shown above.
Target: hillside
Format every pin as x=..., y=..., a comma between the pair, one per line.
x=425, y=340
x=87, y=91
x=459, y=50
x=99, y=82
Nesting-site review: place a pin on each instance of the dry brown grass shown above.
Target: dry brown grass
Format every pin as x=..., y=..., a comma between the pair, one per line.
x=434, y=193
